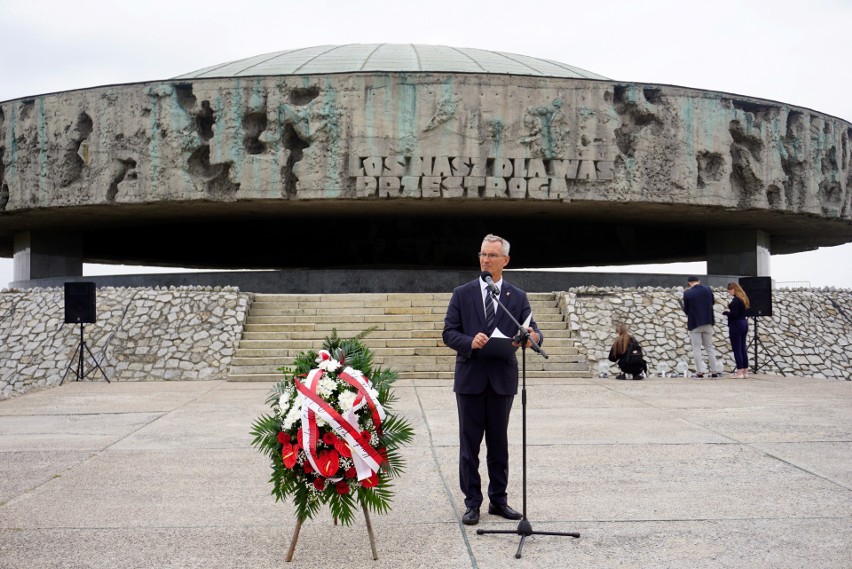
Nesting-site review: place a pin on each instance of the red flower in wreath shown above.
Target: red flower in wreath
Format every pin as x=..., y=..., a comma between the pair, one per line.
x=371, y=482
x=342, y=448
x=319, y=484
x=342, y=487
x=327, y=463
x=289, y=454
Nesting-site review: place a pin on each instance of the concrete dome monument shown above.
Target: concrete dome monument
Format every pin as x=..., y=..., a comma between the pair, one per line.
x=404, y=156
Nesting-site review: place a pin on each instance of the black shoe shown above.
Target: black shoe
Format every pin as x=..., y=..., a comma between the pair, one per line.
x=471, y=516
x=715, y=375
x=621, y=376
x=504, y=511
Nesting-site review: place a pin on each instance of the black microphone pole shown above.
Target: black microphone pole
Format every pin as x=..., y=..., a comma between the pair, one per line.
x=524, y=527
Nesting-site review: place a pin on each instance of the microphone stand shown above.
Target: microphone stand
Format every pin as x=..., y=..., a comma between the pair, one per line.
x=524, y=527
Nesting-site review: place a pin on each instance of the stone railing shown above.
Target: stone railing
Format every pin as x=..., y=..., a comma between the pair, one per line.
x=809, y=332
x=182, y=333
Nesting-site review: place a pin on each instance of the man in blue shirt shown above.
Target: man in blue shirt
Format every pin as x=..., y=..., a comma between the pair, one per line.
x=698, y=305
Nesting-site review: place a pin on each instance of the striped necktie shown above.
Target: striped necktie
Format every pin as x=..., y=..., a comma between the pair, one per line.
x=489, y=313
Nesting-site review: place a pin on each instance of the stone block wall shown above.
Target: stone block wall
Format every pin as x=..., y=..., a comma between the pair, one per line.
x=809, y=332
x=184, y=333
x=191, y=333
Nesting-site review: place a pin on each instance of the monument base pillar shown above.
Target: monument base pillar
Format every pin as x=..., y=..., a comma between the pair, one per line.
x=738, y=252
x=45, y=254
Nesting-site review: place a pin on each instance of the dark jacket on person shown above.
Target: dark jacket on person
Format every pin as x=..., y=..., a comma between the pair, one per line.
x=465, y=318
x=616, y=355
x=736, y=310
x=698, y=306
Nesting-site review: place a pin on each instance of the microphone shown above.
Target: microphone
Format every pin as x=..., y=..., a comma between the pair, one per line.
x=489, y=282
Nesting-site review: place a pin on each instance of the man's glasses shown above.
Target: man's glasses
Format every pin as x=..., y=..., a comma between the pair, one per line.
x=489, y=255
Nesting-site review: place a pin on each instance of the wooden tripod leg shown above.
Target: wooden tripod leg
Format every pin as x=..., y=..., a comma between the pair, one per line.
x=370, y=532
x=293, y=540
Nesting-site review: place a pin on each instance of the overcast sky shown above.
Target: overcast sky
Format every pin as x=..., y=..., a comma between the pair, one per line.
x=789, y=51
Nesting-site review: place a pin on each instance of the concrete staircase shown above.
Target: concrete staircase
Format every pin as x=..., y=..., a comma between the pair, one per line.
x=407, y=338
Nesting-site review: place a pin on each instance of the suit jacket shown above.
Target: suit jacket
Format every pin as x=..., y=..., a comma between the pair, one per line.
x=698, y=306
x=465, y=318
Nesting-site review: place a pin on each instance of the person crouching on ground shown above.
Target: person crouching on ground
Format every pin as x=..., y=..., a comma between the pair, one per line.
x=738, y=327
x=619, y=351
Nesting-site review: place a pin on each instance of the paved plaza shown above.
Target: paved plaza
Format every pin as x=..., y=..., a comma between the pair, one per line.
x=666, y=472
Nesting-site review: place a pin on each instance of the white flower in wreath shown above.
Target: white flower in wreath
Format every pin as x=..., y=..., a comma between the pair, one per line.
x=326, y=386
x=346, y=400
x=284, y=403
x=326, y=362
x=293, y=415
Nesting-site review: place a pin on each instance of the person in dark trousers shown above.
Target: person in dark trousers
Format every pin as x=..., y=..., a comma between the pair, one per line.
x=624, y=343
x=738, y=327
x=484, y=386
x=698, y=305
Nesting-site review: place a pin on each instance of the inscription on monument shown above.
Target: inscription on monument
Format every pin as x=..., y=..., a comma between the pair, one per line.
x=473, y=177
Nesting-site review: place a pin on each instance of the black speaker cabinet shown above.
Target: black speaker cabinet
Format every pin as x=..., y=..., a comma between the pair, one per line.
x=80, y=303
x=759, y=292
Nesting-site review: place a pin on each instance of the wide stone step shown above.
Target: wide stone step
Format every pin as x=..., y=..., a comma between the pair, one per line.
x=354, y=297
x=298, y=315
x=310, y=335
x=343, y=328
x=437, y=298
x=447, y=358
x=372, y=343
x=552, y=350
x=556, y=353
x=407, y=333
x=255, y=318
x=439, y=375
x=413, y=364
x=316, y=344
x=549, y=334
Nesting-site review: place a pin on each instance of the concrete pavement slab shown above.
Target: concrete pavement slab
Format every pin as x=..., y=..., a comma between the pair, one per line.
x=69, y=431
x=659, y=473
x=81, y=397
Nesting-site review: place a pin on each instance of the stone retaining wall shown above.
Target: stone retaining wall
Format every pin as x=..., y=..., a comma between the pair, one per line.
x=809, y=333
x=189, y=333
x=181, y=333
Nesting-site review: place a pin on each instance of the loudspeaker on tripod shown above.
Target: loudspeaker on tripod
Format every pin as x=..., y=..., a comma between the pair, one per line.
x=80, y=303
x=759, y=292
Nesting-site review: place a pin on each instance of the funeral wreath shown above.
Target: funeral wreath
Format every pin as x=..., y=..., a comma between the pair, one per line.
x=331, y=436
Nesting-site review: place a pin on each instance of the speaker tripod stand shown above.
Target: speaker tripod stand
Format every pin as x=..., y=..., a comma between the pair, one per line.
x=524, y=527
x=79, y=357
x=755, y=341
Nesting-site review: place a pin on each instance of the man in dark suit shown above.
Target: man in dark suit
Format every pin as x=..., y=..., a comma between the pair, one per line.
x=698, y=303
x=485, y=386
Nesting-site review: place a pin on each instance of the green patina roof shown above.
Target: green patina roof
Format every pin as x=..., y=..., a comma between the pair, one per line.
x=415, y=58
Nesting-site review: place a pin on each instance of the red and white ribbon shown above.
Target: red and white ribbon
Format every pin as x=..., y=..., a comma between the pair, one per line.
x=365, y=458
x=357, y=380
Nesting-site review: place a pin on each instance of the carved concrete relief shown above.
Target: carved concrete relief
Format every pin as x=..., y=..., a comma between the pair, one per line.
x=411, y=136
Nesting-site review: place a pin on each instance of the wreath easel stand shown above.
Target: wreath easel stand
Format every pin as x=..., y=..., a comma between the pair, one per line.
x=292, y=550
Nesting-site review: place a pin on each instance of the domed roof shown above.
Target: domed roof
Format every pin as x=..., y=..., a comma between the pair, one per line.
x=413, y=58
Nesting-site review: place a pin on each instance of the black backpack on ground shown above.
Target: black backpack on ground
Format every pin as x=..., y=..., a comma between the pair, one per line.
x=633, y=360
